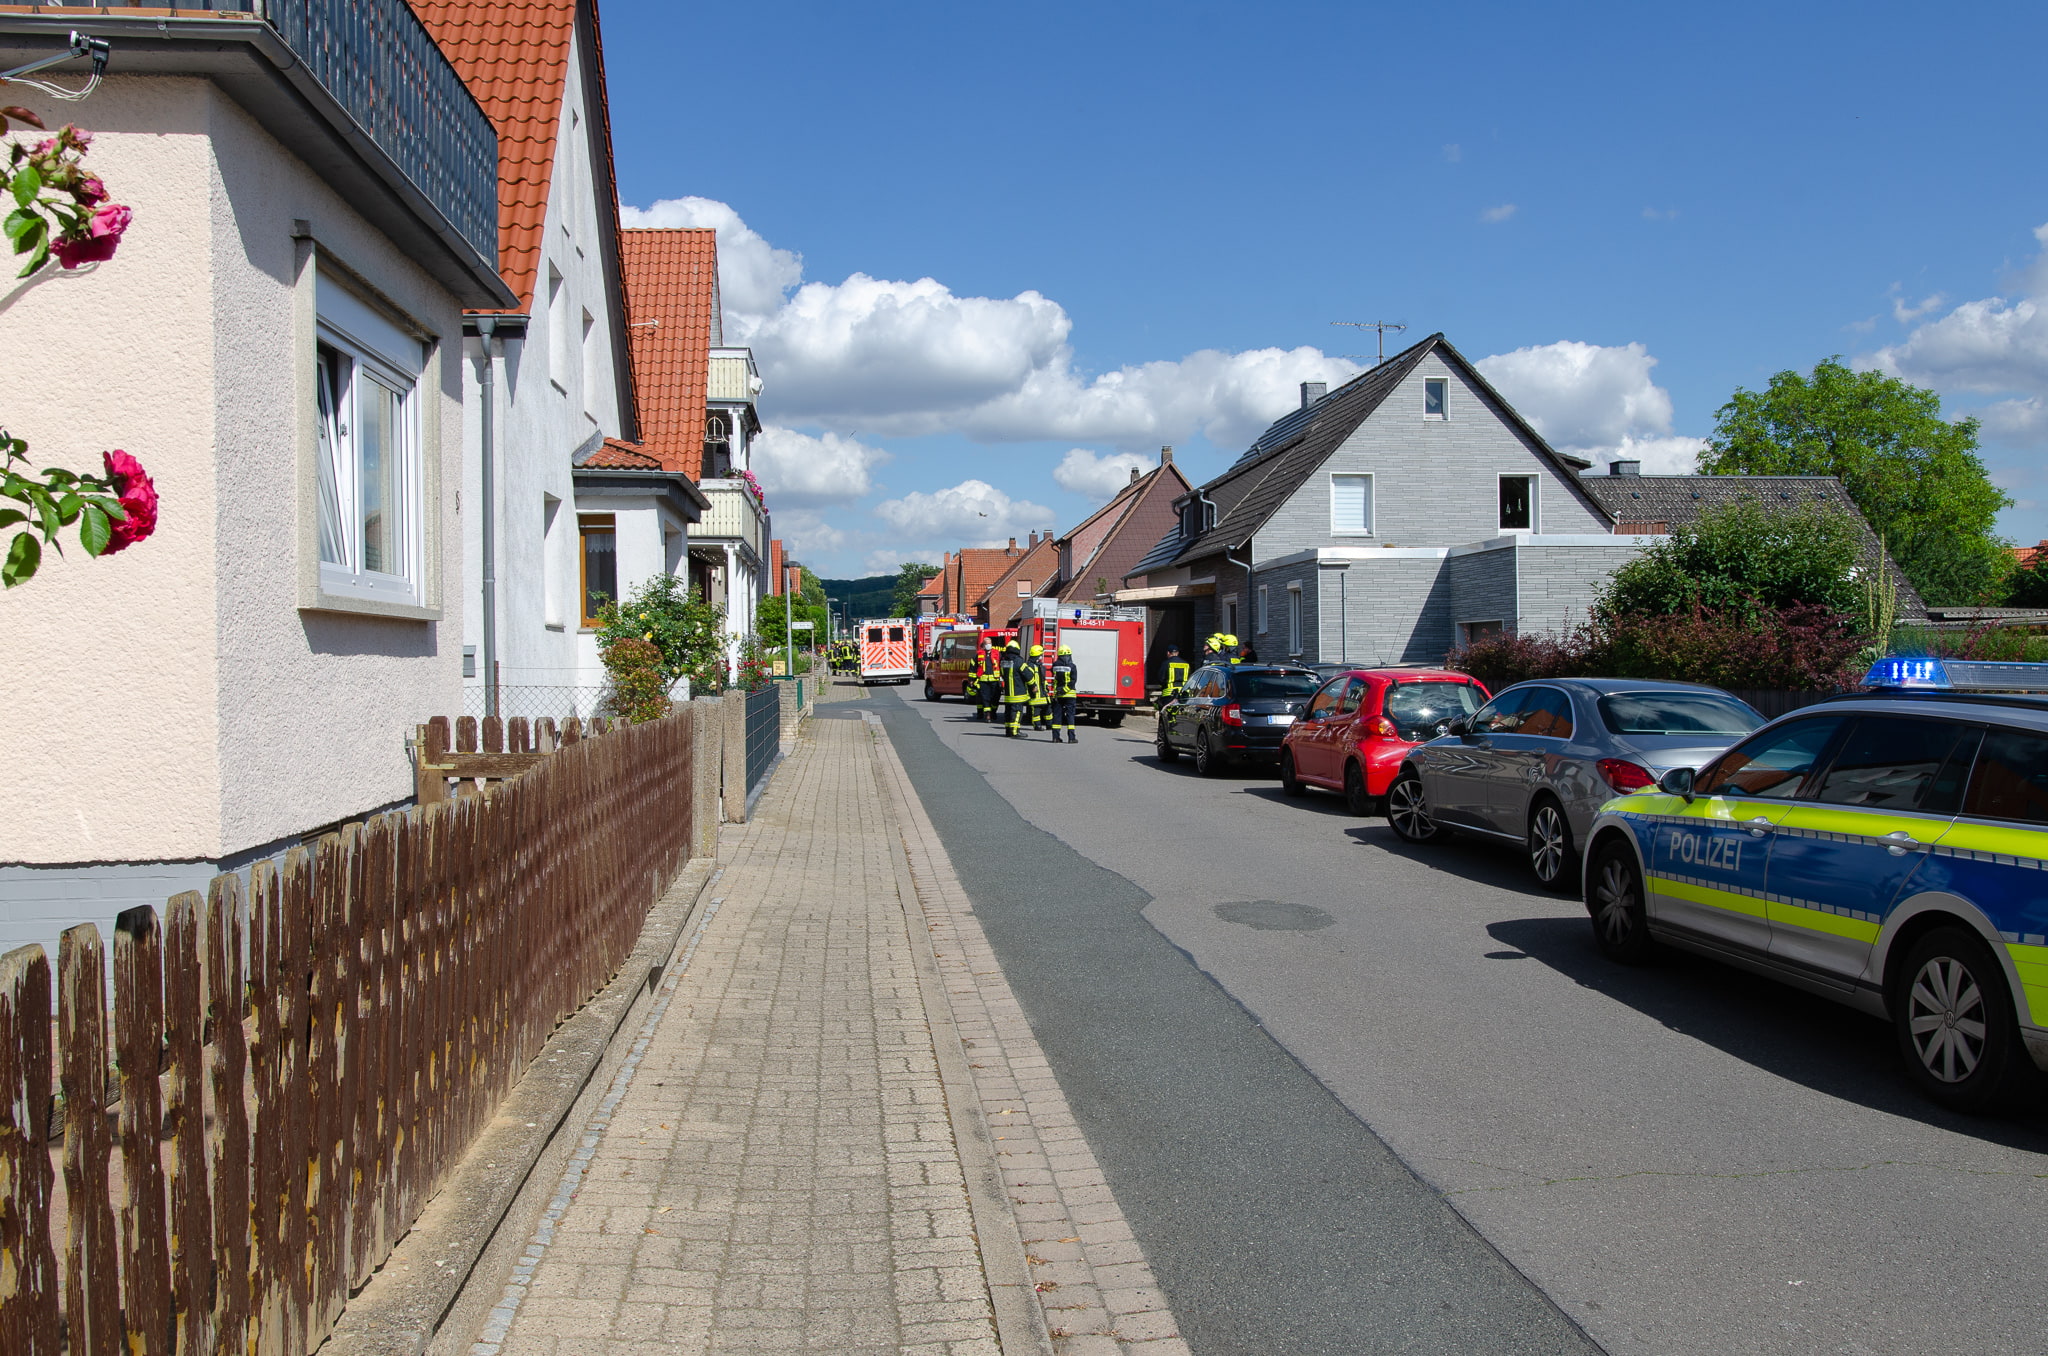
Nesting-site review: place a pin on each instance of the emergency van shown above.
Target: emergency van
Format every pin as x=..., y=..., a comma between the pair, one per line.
x=1109, y=655
x=884, y=650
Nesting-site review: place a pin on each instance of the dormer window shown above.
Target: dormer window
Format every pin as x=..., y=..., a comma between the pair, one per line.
x=1435, y=396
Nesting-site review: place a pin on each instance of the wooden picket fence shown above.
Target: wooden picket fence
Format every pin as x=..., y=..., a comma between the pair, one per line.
x=299, y=1064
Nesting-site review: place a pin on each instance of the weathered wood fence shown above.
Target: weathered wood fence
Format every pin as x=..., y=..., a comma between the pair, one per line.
x=298, y=1064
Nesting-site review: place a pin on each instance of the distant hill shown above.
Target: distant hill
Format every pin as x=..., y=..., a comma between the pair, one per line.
x=863, y=597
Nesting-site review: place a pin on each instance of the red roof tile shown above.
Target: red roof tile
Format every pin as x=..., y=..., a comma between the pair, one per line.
x=671, y=295
x=514, y=56
x=622, y=456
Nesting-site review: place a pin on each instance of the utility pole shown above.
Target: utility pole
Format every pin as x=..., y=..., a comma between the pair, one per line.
x=1382, y=326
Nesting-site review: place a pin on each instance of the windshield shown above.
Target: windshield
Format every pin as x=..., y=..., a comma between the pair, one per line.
x=1677, y=713
x=1253, y=686
x=1418, y=708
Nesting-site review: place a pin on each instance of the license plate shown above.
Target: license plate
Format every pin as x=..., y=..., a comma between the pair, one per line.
x=1279, y=720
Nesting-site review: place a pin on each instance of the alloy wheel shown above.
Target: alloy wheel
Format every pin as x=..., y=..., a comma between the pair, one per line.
x=1947, y=1019
x=1549, y=843
x=1406, y=811
x=1614, y=902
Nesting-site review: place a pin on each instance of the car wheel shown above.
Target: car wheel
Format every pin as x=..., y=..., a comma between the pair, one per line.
x=1290, y=785
x=1953, y=1014
x=1207, y=761
x=1162, y=746
x=931, y=694
x=1408, y=814
x=1356, y=798
x=1614, y=897
x=1111, y=720
x=1550, y=847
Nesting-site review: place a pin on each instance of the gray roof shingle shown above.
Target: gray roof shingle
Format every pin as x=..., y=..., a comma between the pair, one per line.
x=1678, y=501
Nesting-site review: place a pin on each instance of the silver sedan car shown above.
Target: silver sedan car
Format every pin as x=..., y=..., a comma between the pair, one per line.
x=1535, y=764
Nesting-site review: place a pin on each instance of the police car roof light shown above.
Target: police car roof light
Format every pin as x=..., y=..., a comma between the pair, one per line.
x=1925, y=672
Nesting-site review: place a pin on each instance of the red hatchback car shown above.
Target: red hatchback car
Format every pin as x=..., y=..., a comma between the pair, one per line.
x=1361, y=724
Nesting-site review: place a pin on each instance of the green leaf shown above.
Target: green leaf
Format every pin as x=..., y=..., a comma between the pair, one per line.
x=93, y=530
x=20, y=222
x=68, y=507
x=46, y=509
x=27, y=184
x=109, y=506
x=42, y=256
x=9, y=517
x=23, y=555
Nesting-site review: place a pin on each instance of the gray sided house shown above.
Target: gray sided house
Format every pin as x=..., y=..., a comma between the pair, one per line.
x=1385, y=522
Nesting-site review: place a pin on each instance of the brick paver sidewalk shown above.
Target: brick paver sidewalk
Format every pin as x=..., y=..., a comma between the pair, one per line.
x=797, y=1156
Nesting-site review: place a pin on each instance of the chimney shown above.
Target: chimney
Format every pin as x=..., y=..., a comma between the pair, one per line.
x=1013, y=546
x=1624, y=468
x=1312, y=391
x=1166, y=455
x=1135, y=473
x=1032, y=542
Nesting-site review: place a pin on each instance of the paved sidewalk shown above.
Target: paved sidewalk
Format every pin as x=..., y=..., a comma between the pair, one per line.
x=783, y=1170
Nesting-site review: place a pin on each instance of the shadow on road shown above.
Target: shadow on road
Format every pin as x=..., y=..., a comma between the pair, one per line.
x=1821, y=1045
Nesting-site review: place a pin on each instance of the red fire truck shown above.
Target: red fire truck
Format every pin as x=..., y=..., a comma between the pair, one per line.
x=929, y=629
x=1109, y=656
x=949, y=668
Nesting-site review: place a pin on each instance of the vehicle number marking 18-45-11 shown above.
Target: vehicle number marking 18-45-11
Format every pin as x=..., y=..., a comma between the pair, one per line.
x=1713, y=851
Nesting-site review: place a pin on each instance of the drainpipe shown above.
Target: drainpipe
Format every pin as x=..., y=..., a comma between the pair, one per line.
x=486, y=328
x=1208, y=505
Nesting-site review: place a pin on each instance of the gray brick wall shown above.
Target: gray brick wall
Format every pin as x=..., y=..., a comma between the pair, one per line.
x=1435, y=482
x=1391, y=610
x=1559, y=583
x=1273, y=644
x=1483, y=588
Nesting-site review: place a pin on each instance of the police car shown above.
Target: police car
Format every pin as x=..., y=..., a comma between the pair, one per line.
x=1888, y=849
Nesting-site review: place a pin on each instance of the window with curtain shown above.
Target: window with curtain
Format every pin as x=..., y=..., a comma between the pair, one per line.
x=600, y=583
x=1351, y=505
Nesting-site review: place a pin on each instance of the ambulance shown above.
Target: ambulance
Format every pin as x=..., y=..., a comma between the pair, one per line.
x=885, y=647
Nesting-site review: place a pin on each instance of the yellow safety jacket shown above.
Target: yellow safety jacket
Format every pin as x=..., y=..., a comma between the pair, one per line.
x=1017, y=680
x=1066, y=679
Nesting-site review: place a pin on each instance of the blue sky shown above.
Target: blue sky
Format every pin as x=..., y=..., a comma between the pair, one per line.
x=967, y=240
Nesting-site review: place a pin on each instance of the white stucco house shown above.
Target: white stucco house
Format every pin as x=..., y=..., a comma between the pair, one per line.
x=556, y=374
x=279, y=341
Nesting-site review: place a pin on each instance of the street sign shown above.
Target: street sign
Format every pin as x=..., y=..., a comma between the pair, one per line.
x=801, y=626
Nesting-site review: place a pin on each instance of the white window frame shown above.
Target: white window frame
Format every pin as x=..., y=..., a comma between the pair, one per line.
x=1294, y=620
x=1442, y=386
x=1535, y=501
x=1260, y=615
x=1229, y=626
x=370, y=353
x=1023, y=588
x=1371, y=505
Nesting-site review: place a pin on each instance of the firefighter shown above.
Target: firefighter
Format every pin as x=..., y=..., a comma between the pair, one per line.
x=1041, y=699
x=988, y=680
x=1066, y=694
x=1017, y=685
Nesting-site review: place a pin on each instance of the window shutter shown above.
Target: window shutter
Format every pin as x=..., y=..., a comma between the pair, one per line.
x=1350, y=504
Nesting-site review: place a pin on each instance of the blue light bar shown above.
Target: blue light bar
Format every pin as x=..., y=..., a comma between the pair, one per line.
x=1900, y=670
x=1956, y=675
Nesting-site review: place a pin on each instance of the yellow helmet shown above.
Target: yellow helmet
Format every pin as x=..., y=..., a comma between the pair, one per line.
x=1037, y=651
x=1066, y=649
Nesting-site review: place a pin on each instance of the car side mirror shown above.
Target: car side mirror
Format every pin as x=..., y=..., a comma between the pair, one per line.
x=1677, y=782
x=1460, y=727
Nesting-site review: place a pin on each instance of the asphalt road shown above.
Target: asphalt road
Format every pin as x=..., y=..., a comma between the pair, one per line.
x=1359, y=1097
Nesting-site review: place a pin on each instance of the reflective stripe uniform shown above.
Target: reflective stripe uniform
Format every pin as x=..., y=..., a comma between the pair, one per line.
x=1017, y=677
x=1065, y=696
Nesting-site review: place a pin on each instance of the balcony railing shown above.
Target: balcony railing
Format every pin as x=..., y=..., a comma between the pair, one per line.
x=380, y=63
x=733, y=514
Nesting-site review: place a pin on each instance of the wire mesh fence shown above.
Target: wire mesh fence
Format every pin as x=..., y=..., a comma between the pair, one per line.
x=764, y=731
x=537, y=701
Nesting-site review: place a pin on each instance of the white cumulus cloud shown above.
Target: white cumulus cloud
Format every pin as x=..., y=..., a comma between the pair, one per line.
x=875, y=356
x=802, y=471
x=1595, y=400
x=890, y=559
x=1996, y=345
x=973, y=509
x=806, y=535
x=1098, y=475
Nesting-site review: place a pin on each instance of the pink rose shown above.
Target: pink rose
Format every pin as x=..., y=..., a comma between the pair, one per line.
x=103, y=234
x=91, y=190
x=137, y=493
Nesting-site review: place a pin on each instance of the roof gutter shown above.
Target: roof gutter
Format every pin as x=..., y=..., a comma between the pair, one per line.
x=1208, y=505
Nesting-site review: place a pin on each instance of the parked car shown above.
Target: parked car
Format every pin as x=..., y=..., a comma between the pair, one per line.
x=1360, y=725
x=1883, y=849
x=1233, y=713
x=1535, y=764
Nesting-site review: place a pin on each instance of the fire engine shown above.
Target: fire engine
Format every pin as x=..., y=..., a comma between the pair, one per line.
x=929, y=629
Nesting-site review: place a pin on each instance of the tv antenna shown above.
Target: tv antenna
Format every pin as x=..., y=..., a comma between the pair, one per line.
x=1382, y=326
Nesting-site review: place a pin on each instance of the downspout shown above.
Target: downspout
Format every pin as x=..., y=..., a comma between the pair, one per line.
x=486, y=328
x=1209, y=506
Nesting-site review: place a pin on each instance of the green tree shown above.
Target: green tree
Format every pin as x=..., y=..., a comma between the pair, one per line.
x=909, y=579
x=769, y=614
x=813, y=587
x=1915, y=475
x=1746, y=559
